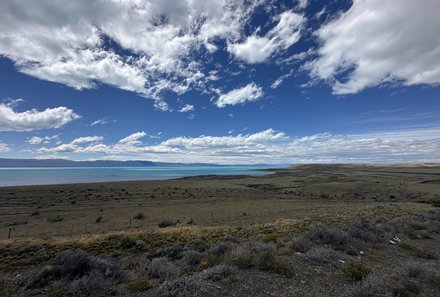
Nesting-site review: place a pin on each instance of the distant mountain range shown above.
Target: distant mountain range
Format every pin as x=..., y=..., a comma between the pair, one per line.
x=97, y=163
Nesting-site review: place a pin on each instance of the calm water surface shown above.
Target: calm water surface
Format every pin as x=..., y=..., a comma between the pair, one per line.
x=66, y=175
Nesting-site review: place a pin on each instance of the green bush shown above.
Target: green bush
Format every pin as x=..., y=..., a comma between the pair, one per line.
x=356, y=270
x=127, y=242
x=418, y=251
x=269, y=237
x=139, y=285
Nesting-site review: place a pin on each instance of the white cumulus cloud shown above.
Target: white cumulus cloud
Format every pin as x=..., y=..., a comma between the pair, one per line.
x=156, y=44
x=377, y=42
x=270, y=146
x=30, y=120
x=257, y=49
x=250, y=92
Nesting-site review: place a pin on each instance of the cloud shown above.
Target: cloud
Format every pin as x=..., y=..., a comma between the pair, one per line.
x=102, y=121
x=281, y=79
x=302, y=4
x=212, y=142
x=257, y=49
x=182, y=146
x=187, y=108
x=35, y=140
x=4, y=148
x=250, y=92
x=155, y=45
x=38, y=140
x=380, y=42
x=87, y=139
x=270, y=146
x=33, y=119
x=132, y=139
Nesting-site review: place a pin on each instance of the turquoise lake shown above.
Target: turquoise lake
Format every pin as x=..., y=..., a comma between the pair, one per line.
x=63, y=175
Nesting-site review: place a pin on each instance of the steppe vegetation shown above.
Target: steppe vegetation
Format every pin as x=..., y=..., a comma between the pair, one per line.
x=315, y=231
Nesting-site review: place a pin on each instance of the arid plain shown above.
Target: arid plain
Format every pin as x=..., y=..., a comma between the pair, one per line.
x=141, y=218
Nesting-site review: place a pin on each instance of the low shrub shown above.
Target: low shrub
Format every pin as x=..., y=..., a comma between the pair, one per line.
x=174, y=252
x=139, y=216
x=59, y=289
x=366, y=231
x=139, y=284
x=300, y=243
x=416, y=270
x=371, y=286
x=240, y=257
x=94, y=284
x=323, y=256
x=269, y=237
x=355, y=269
x=10, y=287
x=416, y=250
x=71, y=264
x=190, y=260
x=140, y=245
x=322, y=234
x=98, y=219
x=215, y=254
x=199, y=245
x=405, y=286
x=133, y=262
x=256, y=254
x=167, y=223
x=219, y=272
x=182, y=287
x=161, y=268
x=32, y=248
x=127, y=242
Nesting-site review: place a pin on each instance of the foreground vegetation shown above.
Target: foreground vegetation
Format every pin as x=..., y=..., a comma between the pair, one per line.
x=381, y=257
x=362, y=231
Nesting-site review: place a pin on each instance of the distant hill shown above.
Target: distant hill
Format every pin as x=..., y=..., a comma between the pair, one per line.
x=97, y=163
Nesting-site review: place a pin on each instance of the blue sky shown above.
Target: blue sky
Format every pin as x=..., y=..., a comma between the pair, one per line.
x=221, y=81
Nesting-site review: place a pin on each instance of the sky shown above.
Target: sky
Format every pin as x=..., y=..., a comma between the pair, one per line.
x=221, y=81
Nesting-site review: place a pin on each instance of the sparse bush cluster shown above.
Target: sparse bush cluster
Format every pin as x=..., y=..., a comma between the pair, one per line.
x=192, y=269
x=74, y=271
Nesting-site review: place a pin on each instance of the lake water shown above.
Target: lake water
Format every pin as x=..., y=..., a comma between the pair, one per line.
x=44, y=176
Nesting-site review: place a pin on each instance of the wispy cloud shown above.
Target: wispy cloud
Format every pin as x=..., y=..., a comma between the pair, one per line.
x=102, y=121
x=281, y=79
x=186, y=108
